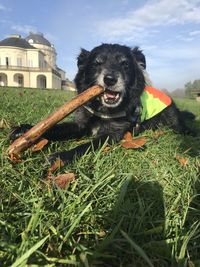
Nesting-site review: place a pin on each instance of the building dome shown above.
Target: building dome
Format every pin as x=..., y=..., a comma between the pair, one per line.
x=37, y=38
x=16, y=41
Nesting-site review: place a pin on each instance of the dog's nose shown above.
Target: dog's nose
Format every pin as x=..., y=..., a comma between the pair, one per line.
x=110, y=79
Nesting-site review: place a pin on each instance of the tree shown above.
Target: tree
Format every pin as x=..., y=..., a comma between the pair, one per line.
x=191, y=88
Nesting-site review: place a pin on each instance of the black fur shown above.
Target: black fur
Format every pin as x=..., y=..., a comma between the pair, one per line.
x=120, y=70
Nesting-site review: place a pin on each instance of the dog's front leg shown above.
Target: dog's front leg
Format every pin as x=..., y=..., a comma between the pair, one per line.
x=62, y=131
x=65, y=131
x=69, y=155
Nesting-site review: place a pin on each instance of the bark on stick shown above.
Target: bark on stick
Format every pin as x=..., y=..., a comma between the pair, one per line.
x=29, y=138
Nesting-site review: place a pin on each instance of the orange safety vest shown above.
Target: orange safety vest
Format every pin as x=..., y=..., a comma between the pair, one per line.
x=153, y=102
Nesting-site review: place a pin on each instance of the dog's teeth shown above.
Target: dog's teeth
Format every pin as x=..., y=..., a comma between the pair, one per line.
x=111, y=98
x=111, y=95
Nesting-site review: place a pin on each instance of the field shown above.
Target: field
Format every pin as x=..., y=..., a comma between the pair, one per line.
x=125, y=207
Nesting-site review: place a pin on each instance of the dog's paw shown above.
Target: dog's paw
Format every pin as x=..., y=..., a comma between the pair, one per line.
x=64, y=156
x=59, y=158
x=17, y=131
x=53, y=163
x=53, y=158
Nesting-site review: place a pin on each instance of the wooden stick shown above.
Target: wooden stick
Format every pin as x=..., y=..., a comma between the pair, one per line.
x=29, y=138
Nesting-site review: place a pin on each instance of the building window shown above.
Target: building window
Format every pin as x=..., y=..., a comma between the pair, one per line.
x=20, y=80
x=19, y=62
x=41, y=64
x=30, y=63
x=8, y=61
x=41, y=81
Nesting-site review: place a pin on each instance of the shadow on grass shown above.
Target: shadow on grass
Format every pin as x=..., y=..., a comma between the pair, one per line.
x=136, y=227
x=136, y=224
x=193, y=215
x=190, y=147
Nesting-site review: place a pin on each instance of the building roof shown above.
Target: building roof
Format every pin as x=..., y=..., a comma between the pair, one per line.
x=37, y=38
x=16, y=41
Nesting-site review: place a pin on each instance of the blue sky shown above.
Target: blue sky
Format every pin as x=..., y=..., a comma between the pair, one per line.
x=167, y=31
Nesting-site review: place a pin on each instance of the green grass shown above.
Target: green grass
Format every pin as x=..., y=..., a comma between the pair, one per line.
x=125, y=208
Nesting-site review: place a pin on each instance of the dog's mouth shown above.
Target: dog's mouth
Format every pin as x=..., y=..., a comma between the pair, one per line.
x=111, y=98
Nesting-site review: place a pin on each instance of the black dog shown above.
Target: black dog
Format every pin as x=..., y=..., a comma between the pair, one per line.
x=120, y=70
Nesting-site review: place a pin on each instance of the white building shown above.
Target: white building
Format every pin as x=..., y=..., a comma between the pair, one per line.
x=29, y=62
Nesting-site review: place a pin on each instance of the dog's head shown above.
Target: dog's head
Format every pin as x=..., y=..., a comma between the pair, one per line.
x=115, y=67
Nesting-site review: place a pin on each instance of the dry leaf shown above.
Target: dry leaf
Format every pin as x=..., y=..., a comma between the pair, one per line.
x=15, y=158
x=102, y=233
x=158, y=133
x=183, y=161
x=106, y=149
x=135, y=143
x=4, y=124
x=39, y=146
x=62, y=180
x=56, y=165
x=128, y=136
x=129, y=142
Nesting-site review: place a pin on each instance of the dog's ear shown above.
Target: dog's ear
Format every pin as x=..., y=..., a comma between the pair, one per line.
x=139, y=56
x=82, y=58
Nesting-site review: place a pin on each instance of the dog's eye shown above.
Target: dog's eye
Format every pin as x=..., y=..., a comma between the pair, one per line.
x=98, y=61
x=124, y=63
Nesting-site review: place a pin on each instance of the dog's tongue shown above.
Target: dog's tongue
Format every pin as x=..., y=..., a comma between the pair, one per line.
x=110, y=95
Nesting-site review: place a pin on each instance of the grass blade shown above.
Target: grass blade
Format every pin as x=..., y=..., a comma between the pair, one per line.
x=26, y=255
x=77, y=221
x=138, y=249
x=186, y=240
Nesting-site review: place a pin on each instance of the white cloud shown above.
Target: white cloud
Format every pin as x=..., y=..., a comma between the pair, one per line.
x=171, y=77
x=152, y=14
x=185, y=38
x=26, y=29
x=4, y=8
x=172, y=65
x=194, y=33
x=168, y=53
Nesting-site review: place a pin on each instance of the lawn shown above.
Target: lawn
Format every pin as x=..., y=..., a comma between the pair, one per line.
x=125, y=207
